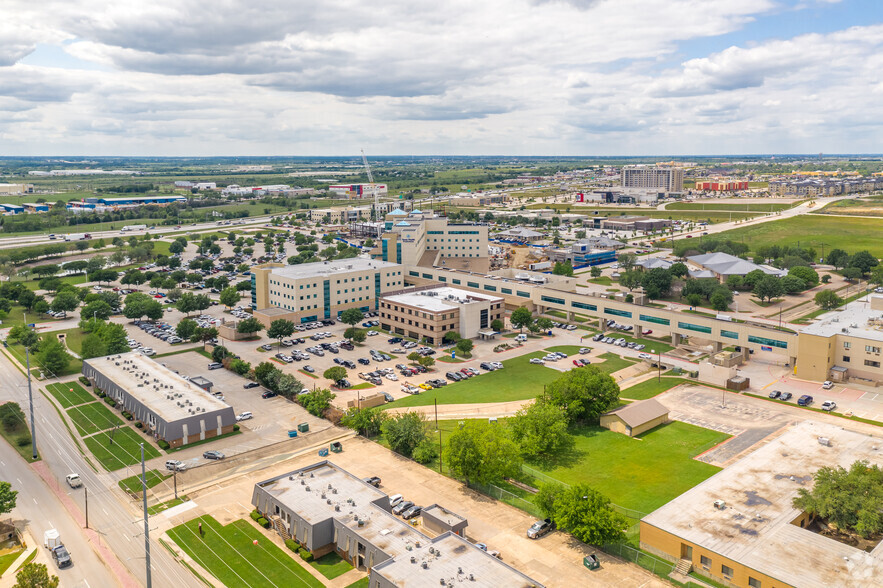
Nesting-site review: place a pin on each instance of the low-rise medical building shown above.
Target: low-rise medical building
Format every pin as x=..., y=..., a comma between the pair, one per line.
x=430, y=312
x=171, y=408
x=325, y=508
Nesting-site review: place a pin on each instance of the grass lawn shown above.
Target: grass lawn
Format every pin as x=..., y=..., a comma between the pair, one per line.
x=519, y=380
x=362, y=386
x=751, y=207
x=75, y=366
x=228, y=553
x=73, y=338
x=133, y=483
x=308, y=374
x=69, y=394
x=8, y=559
x=125, y=450
x=643, y=473
x=19, y=431
x=331, y=565
x=17, y=316
x=613, y=363
x=650, y=388
x=363, y=583
x=602, y=280
x=850, y=234
x=158, y=508
x=93, y=417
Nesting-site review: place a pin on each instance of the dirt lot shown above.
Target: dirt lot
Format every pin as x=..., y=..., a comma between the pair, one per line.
x=554, y=560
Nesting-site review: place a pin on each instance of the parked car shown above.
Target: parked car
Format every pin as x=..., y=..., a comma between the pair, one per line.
x=213, y=454
x=244, y=416
x=402, y=507
x=540, y=528
x=395, y=500
x=775, y=394
x=268, y=394
x=785, y=396
x=174, y=465
x=372, y=481
x=804, y=400
x=827, y=385
x=412, y=512
x=215, y=365
x=829, y=405
x=251, y=385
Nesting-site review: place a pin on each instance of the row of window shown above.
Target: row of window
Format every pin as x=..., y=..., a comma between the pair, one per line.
x=727, y=571
x=426, y=326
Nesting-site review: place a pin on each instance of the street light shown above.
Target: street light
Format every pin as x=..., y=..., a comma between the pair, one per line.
x=658, y=363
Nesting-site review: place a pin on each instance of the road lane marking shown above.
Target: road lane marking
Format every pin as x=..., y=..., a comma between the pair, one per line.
x=35, y=500
x=19, y=481
x=105, y=512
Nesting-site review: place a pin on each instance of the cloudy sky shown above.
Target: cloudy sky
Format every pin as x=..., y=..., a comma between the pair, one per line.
x=521, y=77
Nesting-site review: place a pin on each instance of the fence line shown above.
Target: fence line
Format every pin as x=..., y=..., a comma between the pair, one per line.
x=658, y=566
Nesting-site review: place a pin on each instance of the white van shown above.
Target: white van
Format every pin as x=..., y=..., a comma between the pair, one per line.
x=175, y=465
x=395, y=499
x=521, y=338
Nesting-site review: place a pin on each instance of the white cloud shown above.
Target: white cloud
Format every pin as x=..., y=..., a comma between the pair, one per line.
x=500, y=76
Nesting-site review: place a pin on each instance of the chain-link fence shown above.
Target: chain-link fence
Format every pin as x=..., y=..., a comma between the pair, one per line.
x=658, y=566
x=509, y=498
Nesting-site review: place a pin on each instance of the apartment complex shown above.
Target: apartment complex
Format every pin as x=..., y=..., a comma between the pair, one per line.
x=721, y=185
x=326, y=509
x=670, y=179
x=429, y=313
x=740, y=528
x=316, y=291
x=171, y=408
x=824, y=186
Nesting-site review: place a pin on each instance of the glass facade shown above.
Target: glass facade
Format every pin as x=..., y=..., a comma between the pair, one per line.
x=768, y=342
x=692, y=327
x=583, y=305
x=617, y=312
x=729, y=334
x=654, y=319
x=552, y=300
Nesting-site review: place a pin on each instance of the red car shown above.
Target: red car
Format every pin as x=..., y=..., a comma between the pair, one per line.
x=466, y=372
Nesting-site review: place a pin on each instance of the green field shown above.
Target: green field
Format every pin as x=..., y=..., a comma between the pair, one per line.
x=124, y=451
x=818, y=231
x=735, y=207
x=650, y=388
x=74, y=367
x=331, y=565
x=638, y=473
x=69, y=394
x=363, y=583
x=133, y=483
x=866, y=206
x=93, y=417
x=229, y=554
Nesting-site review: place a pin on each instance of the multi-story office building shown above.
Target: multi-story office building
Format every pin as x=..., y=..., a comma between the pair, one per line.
x=316, y=291
x=429, y=313
x=418, y=238
x=670, y=179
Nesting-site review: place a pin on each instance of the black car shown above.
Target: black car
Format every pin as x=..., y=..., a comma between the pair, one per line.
x=343, y=383
x=309, y=368
x=785, y=396
x=486, y=366
x=268, y=394
x=388, y=397
x=251, y=385
x=364, y=361
x=61, y=556
x=412, y=512
x=452, y=376
x=394, y=340
x=373, y=481
x=775, y=394
x=402, y=507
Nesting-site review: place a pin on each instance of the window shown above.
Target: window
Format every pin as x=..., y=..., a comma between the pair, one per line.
x=490, y=288
x=872, y=349
x=552, y=300
x=846, y=359
x=870, y=363
x=729, y=334
x=472, y=284
x=583, y=305
x=506, y=290
x=415, y=274
x=753, y=583
x=727, y=572
x=769, y=342
x=522, y=294
x=455, y=280
x=654, y=319
x=427, y=276
x=617, y=312
x=705, y=562
x=692, y=327
x=847, y=345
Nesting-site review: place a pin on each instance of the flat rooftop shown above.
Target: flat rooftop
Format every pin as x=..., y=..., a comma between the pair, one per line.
x=755, y=527
x=440, y=299
x=852, y=319
x=152, y=383
x=452, y=558
x=322, y=268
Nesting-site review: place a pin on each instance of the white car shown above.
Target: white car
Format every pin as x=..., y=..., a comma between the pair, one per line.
x=584, y=350
x=244, y=416
x=497, y=365
x=829, y=405
x=827, y=385
x=73, y=480
x=371, y=333
x=645, y=356
x=537, y=361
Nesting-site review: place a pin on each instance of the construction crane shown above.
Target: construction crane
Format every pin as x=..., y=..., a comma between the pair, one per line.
x=371, y=184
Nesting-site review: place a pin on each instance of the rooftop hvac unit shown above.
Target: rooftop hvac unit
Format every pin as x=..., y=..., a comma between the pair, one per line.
x=825, y=441
x=307, y=488
x=329, y=486
x=720, y=504
x=471, y=578
x=334, y=490
x=424, y=565
x=432, y=549
x=413, y=559
x=302, y=483
x=443, y=582
x=337, y=507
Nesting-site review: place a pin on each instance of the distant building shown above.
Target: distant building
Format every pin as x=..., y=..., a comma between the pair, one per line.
x=12, y=208
x=634, y=223
x=721, y=185
x=670, y=179
x=723, y=265
x=358, y=190
x=636, y=417
x=429, y=313
x=9, y=189
x=520, y=234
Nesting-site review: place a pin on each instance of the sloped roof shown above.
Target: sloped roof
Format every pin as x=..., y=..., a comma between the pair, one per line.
x=398, y=212
x=636, y=414
x=728, y=265
x=653, y=262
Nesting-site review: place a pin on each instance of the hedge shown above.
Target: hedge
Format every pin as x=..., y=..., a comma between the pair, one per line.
x=255, y=515
x=163, y=444
x=110, y=401
x=127, y=415
x=84, y=381
x=305, y=555
x=264, y=523
x=292, y=545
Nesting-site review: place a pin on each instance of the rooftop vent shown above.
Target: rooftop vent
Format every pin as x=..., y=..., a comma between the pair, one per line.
x=424, y=565
x=720, y=504
x=307, y=488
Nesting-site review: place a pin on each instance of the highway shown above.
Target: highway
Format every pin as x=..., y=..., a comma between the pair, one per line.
x=119, y=527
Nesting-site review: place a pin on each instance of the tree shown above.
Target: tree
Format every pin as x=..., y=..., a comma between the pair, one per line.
x=465, y=346
x=864, y=261
x=768, y=287
x=679, y=270
x=694, y=299
x=630, y=279
x=838, y=258
x=136, y=305
x=50, y=284
x=35, y=575
x=287, y=385
x=114, y=337
x=851, y=500
x=186, y=328
x=27, y=299
x=544, y=323
x=482, y=453
x=451, y=337
x=186, y=303
x=828, y=299
x=65, y=302
x=279, y=329
x=239, y=366
x=563, y=269
x=335, y=373
x=595, y=272
x=752, y=278
x=521, y=317
x=220, y=352
x=627, y=260
x=365, y=421
x=877, y=275
x=176, y=247
x=7, y=497
x=720, y=301
x=351, y=316
x=316, y=403
x=584, y=394
x=853, y=274
x=791, y=284
x=230, y=297
x=826, y=279
x=656, y=283
x=97, y=309
x=540, y=429
x=25, y=336
x=249, y=326
x=404, y=432
x=497, y=325
x=809, y=276
x=92, y=346
x=426, y=361
x=582, y=511
x=53, y=356
x=46, y=270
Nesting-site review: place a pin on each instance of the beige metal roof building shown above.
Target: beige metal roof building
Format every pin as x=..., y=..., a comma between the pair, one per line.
x=740, y=527
x=636, y=417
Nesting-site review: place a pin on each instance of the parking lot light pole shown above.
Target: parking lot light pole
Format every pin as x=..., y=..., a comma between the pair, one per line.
x=658, y=364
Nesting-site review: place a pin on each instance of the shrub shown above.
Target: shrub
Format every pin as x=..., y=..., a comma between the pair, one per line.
x=305, y=555
x=235, y=427
x=127, y=415
x=23, y=441
x=291, y=544
x=84, y=381
x=139, y=425
x=110, y=401
x=255, y=515
x=264, y=523
x=163, y=444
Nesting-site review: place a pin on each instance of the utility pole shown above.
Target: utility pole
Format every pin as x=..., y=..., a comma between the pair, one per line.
x=86, y=495
x=144, y=505
x=31, y=401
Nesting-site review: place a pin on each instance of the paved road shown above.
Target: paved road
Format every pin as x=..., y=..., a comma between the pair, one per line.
x=118, y=525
